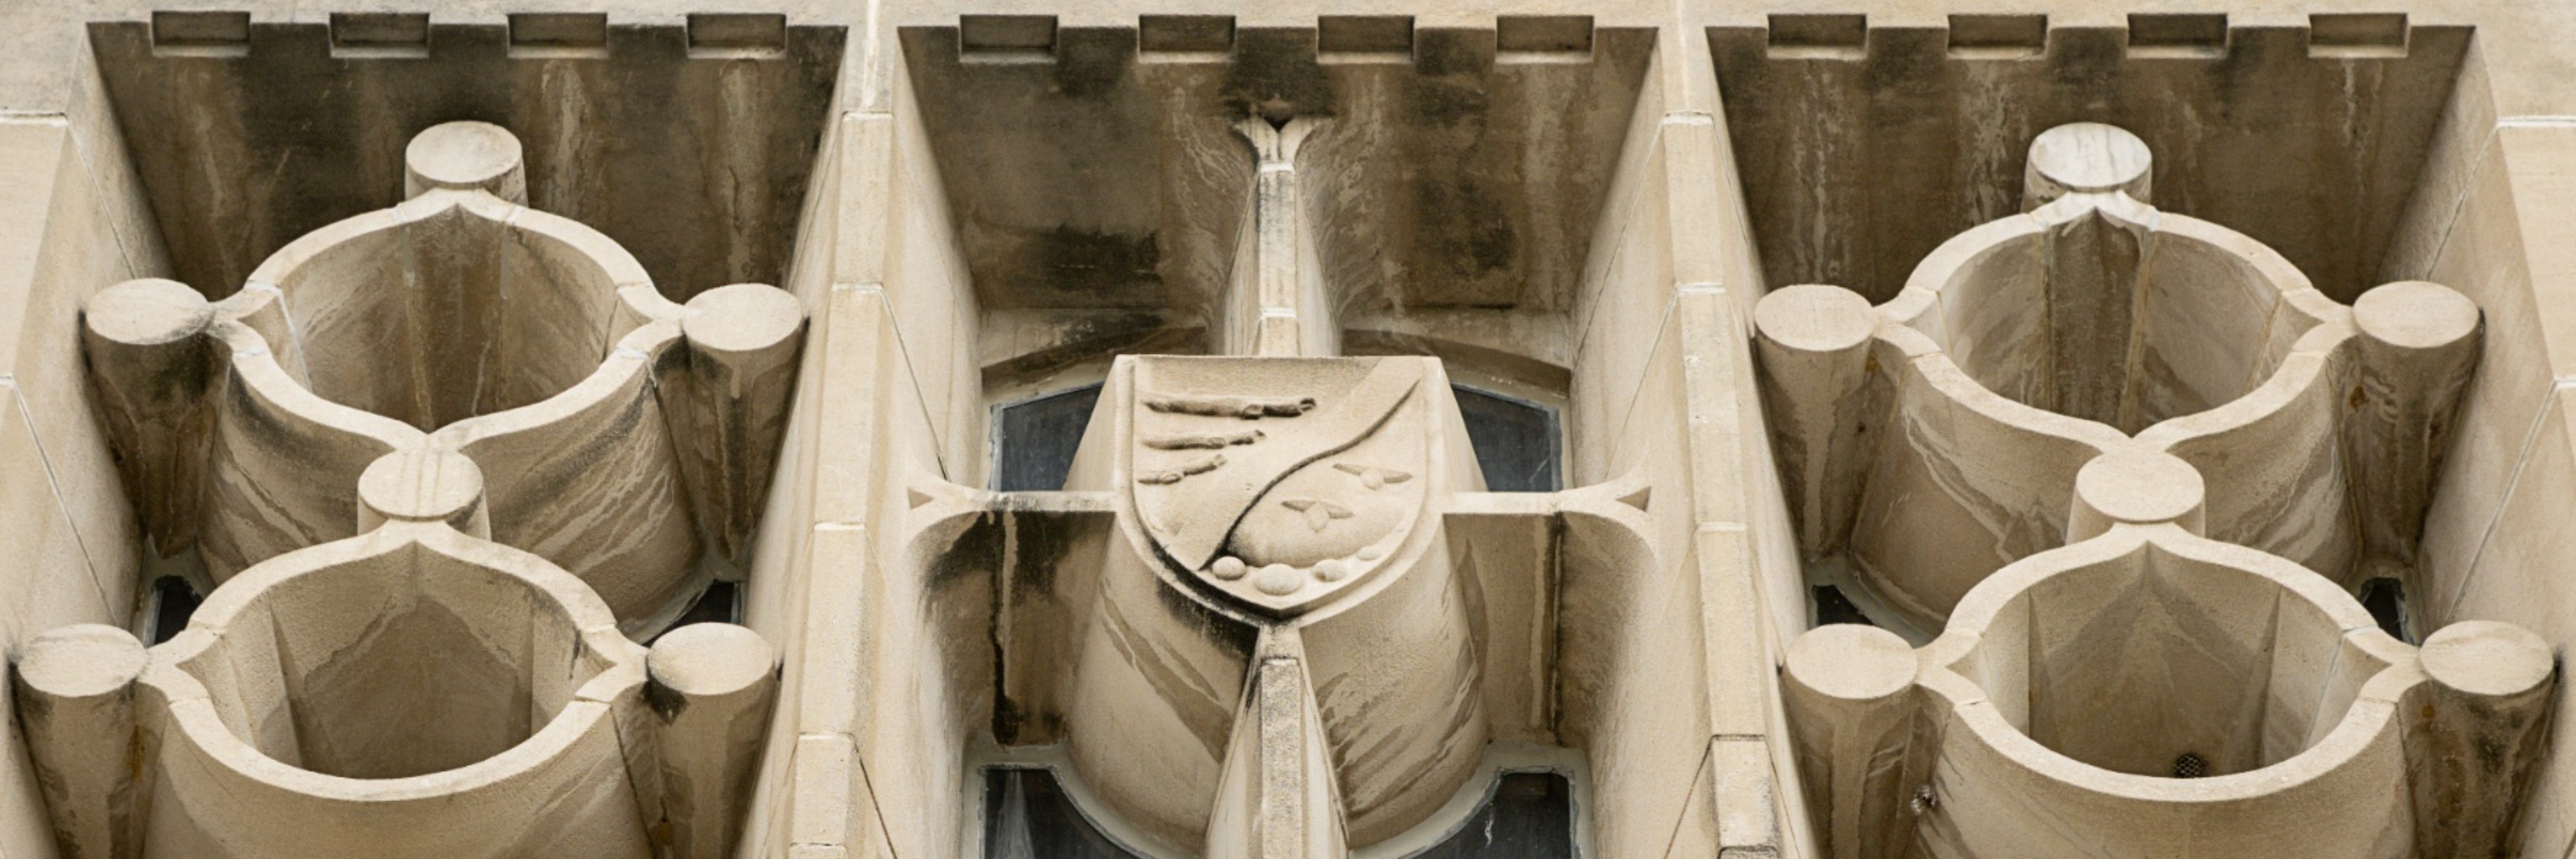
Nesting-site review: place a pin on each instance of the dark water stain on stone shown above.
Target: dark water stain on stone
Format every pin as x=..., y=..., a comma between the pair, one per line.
x=1274, y=76
x=1093, y=63
x=1081, y=261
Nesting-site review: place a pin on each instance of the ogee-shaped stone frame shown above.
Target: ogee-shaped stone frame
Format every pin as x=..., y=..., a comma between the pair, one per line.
x=1906, y=443
x=276, y=725
x=624, y=466
x=2348, y=744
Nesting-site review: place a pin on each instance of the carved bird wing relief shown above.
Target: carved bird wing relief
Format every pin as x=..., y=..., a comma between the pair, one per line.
x=1192, y=517
x=1319, y=513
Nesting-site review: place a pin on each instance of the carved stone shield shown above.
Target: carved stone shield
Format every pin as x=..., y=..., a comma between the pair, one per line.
x=1278, y=481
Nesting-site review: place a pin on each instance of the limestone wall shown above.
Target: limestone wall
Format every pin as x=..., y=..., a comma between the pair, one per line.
x=1599, y=210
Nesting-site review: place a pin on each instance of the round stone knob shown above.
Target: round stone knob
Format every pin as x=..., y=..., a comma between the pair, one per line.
x=1851, y=662
x=81, y=661
x=1811, y=317
x=147, y=312
x=2137, y=488
x=704, y=660
x=423, y=486
x=1279, y=580
x=742, y=318
x=2415, y=315
x=2486, y=658
x=2086, y=158
x=465, y=156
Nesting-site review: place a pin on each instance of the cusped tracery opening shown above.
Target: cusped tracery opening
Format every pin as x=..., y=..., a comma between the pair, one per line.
x=456, y=304
x=2157, y=664
x=2118, y=322
x=450, y=313
x=394, y=665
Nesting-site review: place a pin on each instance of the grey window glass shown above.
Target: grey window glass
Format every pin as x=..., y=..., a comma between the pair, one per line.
x=1530, y=817
x=1516, y=441
x=1037, y=439
x=1028, y=816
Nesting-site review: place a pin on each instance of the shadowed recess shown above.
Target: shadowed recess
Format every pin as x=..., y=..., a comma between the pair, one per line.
x=697, y=165
x=1089, y=175
x=440, y=664
x=449, y=317
x=2135, y=662
x=1028, y=815
x=1860, y=161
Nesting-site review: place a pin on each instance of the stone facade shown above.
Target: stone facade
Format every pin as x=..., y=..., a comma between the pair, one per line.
x=1319, y=430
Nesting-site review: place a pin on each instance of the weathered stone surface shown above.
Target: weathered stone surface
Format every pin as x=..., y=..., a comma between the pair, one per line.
x=2105, y=472
x=2096, y=326
x=457, y=332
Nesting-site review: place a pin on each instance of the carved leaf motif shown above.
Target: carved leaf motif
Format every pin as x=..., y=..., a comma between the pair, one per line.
x=1168, y=476
x=1319, y=512
x=1247, y=408
x=1372, y=476
x=1186, y=441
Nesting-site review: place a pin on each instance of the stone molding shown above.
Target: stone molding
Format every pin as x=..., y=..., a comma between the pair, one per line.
x=595, y=406
x=1937, y=437
x=2133, y=466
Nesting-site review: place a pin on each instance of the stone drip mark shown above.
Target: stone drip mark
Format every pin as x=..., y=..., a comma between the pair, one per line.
x=1247, y=408
x=1201, y=440
x=1168, y=476
x=1372, y=476
x=1319, y=512
x=2094, y=326
x=505, y=678
x=491, y=336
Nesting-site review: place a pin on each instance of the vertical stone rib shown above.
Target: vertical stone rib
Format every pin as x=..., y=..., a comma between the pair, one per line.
x=712, y=685
x=1814, y=342
x=1291, y=312
x=1848, y=690
x=75, y=690
x=151, y=367
x=1277, y=798
x=2419, y=343
x=730, y=412
x=2477, y=739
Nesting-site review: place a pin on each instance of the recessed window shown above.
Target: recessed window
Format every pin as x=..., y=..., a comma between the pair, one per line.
x=1530, y=817
x=1034, y=440
x=1832, y=608
x=720, y=603
x=2386, y=600
x=1515, y=439
x=174, y=602
x=1028, y=815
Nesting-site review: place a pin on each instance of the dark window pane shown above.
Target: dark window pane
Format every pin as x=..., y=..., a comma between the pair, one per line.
x=1037, y=439
x=1515, y=441
x=1530, y=817
x=178, y=603
x=2386, y=599
x=720, y=603
x=1028, y=816
x=1832, y=608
